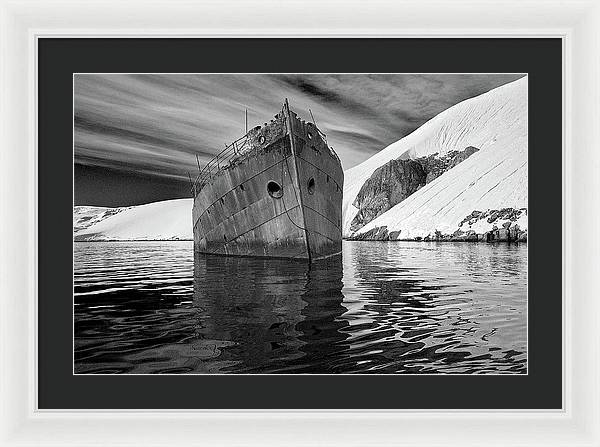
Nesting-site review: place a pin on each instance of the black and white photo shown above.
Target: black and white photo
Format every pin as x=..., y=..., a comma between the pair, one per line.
x=319, y=223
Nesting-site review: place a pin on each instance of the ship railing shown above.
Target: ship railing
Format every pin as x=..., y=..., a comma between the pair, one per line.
x=324, y=137
x=231, y=153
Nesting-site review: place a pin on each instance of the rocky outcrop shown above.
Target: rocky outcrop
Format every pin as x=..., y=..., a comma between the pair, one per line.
x=508, y=233
x=479, y=226
x=389, y=185
x=374, y=234
x=460, y=156
x=504, y=224
x=491, y=216
x=86, y=216
x=397, y=179
x=435, y=165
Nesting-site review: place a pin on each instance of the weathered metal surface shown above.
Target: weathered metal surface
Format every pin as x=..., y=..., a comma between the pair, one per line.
x=234, y=214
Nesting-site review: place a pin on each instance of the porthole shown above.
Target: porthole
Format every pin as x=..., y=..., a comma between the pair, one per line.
x=261, y=139
x=274, y=189
x=311, y=186
x=242, y=187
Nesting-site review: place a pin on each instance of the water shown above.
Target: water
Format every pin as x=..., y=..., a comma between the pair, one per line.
x=400, y=307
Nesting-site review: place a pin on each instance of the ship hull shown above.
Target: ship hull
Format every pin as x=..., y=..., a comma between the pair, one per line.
x=282, y=198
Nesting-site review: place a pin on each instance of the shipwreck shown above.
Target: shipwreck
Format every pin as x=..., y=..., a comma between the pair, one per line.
x=274, y=192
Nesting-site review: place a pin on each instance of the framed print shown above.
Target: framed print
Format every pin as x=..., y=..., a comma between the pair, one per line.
x=244, y=234
x=273, y=285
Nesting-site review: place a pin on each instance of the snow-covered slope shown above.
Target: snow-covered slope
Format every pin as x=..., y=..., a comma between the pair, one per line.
x=166, y=220
x=86, y=216
x=494, y=178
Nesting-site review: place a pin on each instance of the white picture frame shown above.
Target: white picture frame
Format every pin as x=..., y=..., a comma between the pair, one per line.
x=577, y=23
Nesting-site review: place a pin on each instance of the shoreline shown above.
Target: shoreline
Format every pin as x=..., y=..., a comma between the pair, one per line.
x=524, y=241
x=510, y=231
x=344, y=239
x=135, y=240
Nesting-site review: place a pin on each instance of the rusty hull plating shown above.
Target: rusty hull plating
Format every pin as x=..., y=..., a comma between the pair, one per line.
x=275, y=192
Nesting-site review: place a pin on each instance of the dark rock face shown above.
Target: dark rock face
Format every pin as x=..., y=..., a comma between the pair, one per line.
x=435, y=165
x=509, y=230
x=508, y=233
x=374, y=234
x=460, y=156
x=492, y=216
x=393, y=182
x=377, y=234
x=390, y=184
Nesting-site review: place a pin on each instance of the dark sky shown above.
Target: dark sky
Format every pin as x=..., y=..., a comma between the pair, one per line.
x=136, y=136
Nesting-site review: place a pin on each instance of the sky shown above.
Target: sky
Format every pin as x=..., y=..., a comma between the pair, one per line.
x=137, y=135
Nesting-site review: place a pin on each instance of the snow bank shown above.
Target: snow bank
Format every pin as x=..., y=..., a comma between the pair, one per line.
x=166, y=220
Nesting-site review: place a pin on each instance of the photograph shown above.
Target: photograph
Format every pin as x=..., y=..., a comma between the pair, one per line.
x=300, y=223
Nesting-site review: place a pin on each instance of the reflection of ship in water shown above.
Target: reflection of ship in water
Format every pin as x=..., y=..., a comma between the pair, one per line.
x=269, y=315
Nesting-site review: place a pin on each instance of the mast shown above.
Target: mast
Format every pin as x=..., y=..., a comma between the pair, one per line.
x=311, y=115
x=288, y=119
x=192, y=185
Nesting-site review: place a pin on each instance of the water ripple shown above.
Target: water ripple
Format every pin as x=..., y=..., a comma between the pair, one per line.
x=412, y=308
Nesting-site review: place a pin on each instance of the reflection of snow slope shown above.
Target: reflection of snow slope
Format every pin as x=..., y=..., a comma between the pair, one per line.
x=493, y=178
x=166, y=220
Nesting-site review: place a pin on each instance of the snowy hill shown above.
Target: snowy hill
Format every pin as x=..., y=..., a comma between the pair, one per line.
x=86, y=216
x=166, y=220
x=490, y=182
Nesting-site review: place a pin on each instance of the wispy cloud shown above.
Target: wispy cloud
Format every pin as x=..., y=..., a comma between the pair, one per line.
x=156, y=124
